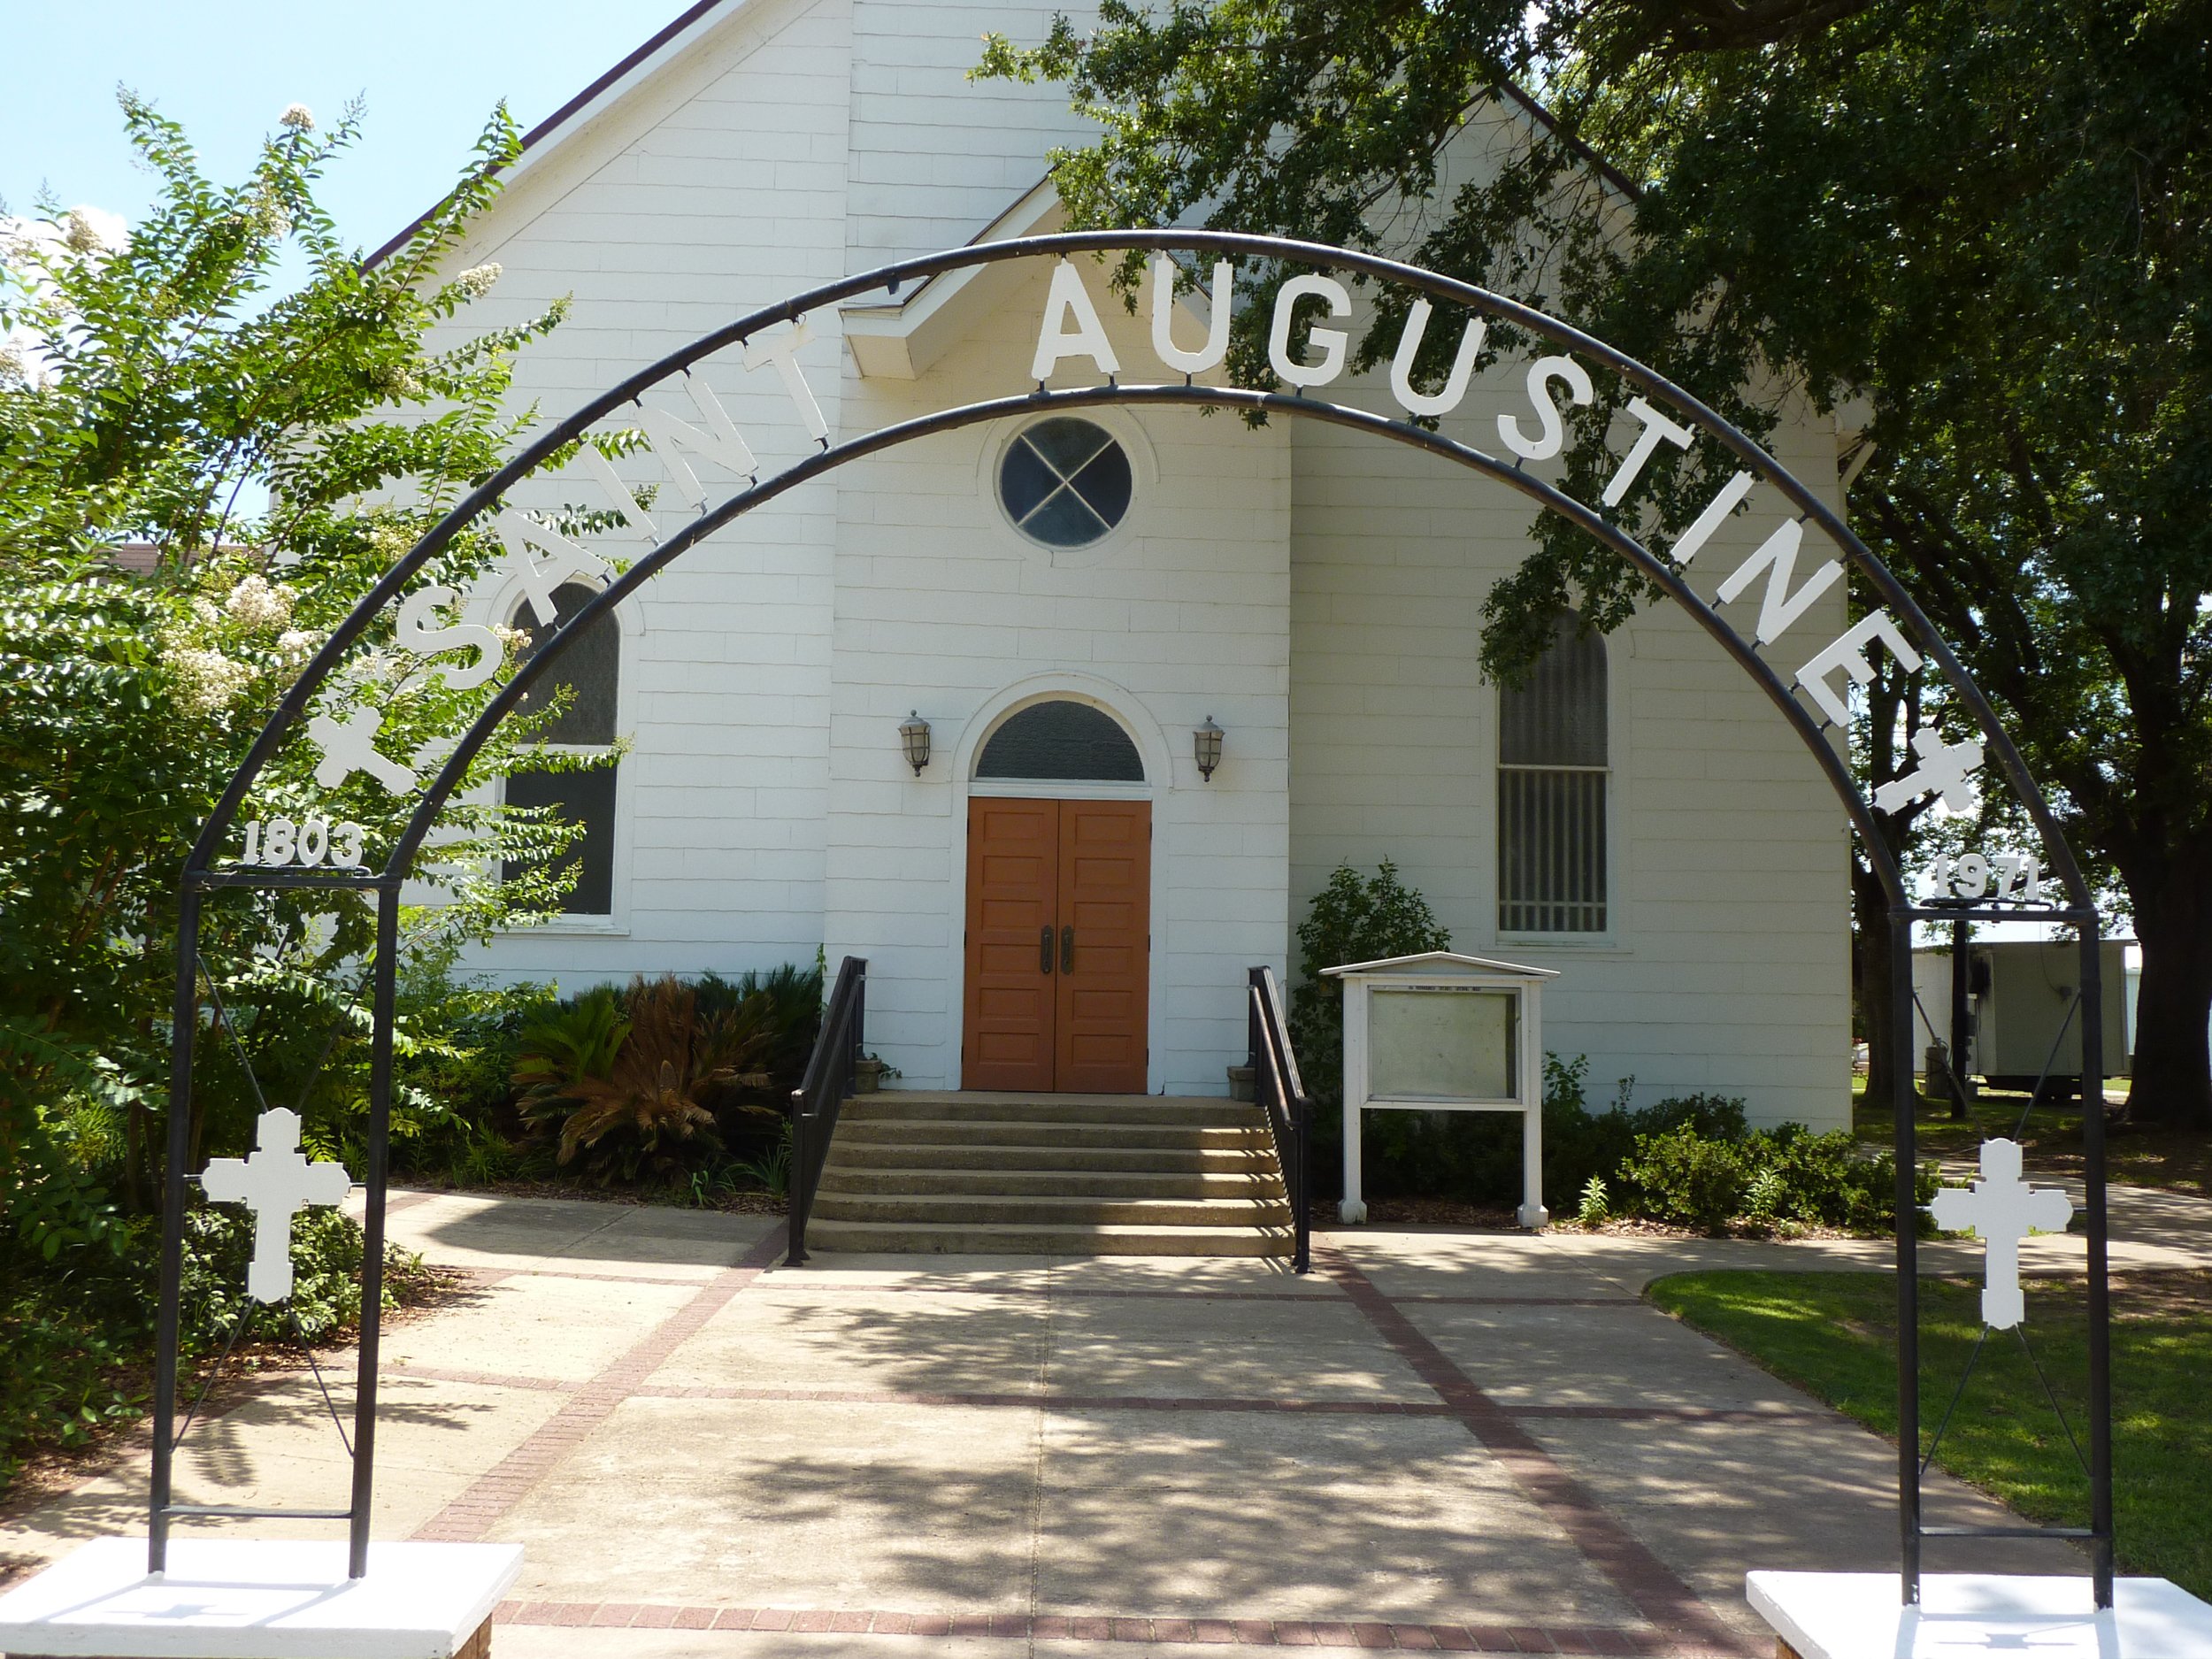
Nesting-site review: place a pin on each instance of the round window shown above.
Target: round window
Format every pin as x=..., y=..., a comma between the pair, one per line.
x=1064, y=482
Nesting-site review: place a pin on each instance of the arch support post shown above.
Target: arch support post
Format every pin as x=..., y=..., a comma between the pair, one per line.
x=183, y=1035
x=1904, y=1097
x=385, y=995
x=2099, y=1300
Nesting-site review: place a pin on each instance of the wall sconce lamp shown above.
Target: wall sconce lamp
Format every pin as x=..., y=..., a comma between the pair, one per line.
x=1205, y=744
x=914, y=741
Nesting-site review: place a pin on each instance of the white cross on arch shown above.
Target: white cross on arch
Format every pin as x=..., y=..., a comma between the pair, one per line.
x=1943, y=768
x=2000, y=1207
x=276, y=1183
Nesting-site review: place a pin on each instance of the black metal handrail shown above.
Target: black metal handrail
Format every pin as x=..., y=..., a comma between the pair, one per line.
x=1281, y=1094
x=830, y=1072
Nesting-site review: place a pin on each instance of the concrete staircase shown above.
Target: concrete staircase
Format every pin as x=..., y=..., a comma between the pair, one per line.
x=986, y=1173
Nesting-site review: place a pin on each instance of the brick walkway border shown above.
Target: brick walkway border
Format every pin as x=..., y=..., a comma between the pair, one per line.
x=1599, y=1642
x=1652, y=1587
x=1048, y=1399
x=469, y=1517
x=1681, y=1623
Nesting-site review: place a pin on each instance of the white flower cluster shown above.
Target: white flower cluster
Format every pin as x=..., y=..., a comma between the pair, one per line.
x=294, y=646
x=255, y=604
x=394, y=380
x=298, y=117
x=208, y=682
x=477, y=280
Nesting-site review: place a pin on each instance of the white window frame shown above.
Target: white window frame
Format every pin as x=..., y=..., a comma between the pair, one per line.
x=1618, y=652
x=503, y=606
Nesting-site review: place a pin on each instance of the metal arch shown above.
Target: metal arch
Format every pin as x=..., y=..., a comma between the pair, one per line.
x=894, y=276
x=198, y=877
x=1659, y=570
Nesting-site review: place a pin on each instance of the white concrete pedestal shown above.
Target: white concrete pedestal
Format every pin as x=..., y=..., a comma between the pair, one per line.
x=1858, y=1616
x=242, y=1598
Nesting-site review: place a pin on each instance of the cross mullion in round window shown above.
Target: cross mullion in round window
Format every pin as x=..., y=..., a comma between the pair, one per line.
x=1064, y=482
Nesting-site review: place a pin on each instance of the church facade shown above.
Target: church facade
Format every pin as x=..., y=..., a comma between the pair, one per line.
x=1061, y=721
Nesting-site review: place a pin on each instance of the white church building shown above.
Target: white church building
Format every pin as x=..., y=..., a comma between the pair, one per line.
x=1078, y=609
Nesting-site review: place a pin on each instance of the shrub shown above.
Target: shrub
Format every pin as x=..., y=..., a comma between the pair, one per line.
x=1763, y=1179
x=1352, y=919
x=1685, y=1178
x=626, y=1082
x=76, y=1334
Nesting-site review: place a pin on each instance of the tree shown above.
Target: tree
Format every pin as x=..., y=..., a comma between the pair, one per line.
x=154, y=395
x=1992, y=223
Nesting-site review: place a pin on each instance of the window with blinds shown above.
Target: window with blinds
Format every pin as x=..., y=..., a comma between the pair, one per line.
x=590, y=670
x=1553, y=777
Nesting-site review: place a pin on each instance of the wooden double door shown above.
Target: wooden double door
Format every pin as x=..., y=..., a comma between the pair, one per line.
x=1058, y=945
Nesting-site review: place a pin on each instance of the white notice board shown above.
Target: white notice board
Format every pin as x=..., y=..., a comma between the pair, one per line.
x=1443, y=1044
x=1442, y=1031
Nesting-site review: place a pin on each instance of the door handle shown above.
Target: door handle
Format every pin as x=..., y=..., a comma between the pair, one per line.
x=1067, y=951
x=1044, y=949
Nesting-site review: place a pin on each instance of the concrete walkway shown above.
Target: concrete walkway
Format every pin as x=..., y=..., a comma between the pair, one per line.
x=1439, y=1440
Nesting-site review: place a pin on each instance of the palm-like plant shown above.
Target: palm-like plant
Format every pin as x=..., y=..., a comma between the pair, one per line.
x=627, y=1079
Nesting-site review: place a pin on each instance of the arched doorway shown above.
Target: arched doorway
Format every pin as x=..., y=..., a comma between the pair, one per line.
x=1056, y=940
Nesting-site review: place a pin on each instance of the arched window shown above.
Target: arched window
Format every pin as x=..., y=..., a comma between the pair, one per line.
x=1062, y=739
x=590, y=669
x=1553, y=775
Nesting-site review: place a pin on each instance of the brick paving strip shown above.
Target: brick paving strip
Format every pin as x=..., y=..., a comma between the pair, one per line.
x=1585, y=1641
x=1125, y=1402
x=1651, y=1586
x=830, y=1282
x=469, y=1517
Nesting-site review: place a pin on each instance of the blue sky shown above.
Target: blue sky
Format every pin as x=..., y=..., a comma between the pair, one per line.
x=226, y=69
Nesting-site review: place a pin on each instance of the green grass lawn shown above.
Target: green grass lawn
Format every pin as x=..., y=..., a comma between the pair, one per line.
x=2179, y=1160
x=1835, y=1335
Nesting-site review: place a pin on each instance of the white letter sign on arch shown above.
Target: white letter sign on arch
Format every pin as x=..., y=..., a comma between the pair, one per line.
x=1071, y=330
x=1784, y=601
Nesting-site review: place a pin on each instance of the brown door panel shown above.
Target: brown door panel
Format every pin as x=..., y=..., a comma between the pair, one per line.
x=1105, y=895
x=1013, y=875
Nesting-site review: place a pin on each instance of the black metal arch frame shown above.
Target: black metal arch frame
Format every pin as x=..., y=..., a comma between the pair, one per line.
x=200, y=875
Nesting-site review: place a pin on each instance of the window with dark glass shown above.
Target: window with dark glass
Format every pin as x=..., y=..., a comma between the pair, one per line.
x=1553, y=777
x=590, y=668
x=1061, y=740
x=1064, y=482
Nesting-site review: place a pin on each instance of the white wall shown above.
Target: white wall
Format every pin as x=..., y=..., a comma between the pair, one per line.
x=1726, y=967
x=765, y=807
x=1183, y=612
x=936, y=157
x=714, y=187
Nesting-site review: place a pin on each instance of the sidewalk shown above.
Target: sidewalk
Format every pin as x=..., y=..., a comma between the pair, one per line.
x=1437, y=1440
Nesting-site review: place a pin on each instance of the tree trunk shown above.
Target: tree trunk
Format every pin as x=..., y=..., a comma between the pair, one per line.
x=2172, y=1082
x=1869, y=926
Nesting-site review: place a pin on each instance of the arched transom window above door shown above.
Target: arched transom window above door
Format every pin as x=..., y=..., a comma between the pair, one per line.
x=1062, y=741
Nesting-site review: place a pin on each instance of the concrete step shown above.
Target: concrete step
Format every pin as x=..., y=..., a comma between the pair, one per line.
x=971, y=1238
x=1018, y=1133
x=863, y=1154
x=985, y=1106
x=1062, y=1183
x=1000, y=1210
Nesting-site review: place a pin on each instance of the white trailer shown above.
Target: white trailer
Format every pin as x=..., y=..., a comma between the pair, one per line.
x=2020, y=1009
